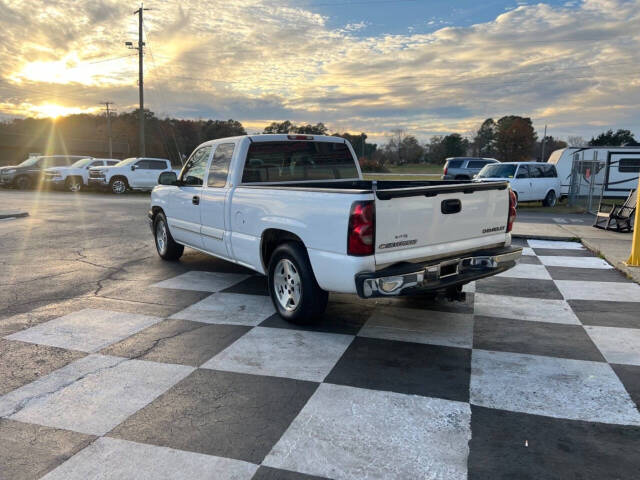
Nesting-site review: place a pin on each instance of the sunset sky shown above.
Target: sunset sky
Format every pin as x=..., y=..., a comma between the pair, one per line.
x=428, y=66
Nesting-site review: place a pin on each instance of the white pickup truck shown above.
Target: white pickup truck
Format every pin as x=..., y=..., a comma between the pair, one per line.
x=130, y=174
x=297, y=209
x=75, y=176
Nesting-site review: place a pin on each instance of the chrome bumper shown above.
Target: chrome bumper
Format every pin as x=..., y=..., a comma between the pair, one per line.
x=433, y=276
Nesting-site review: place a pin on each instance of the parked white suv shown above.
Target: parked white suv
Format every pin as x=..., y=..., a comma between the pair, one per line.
x=296, y=208
x=75, y=176
x=131, y=173
x=531, y=181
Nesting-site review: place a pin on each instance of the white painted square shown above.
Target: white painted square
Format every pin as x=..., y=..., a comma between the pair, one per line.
x=229, y=308
x=353, y=433
x=617, y=345
x=115, y=459
x=555, y=244
x=523, y=308
x=282, y=352
x=604, y=291
x=91, y=395
x=469, y=287
x=555, y=387
x=574, y=262
x=528, y=251
x=525, y=270
x=420, y=326
x=87, y=330
x=202, y=281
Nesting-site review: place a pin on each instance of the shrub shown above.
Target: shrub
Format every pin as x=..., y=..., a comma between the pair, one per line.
x=370, y=165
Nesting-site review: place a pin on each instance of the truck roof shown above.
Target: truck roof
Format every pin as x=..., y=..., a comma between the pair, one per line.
x=280, y=137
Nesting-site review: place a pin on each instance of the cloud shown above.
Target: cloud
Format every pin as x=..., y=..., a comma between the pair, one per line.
x=571, y=66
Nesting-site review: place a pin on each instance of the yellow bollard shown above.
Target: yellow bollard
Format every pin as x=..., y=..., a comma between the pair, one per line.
x=634, y=259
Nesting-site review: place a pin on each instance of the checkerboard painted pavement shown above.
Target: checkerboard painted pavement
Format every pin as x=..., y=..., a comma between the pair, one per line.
x=535, y=375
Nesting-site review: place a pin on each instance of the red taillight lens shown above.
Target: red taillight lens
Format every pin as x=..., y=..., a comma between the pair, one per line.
x=512, y=210
x=362, y=227
x=300, y=137
x=444, y=172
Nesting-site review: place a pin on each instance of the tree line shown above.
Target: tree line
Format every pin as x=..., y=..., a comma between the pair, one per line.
x=510, y=138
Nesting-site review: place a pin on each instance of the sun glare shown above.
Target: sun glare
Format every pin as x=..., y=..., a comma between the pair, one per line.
x=53, y=110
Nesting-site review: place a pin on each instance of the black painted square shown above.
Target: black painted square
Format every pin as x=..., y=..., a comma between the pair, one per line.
x=607, y=314
x=22, y=363
x=411, y=368
x=562, y=252
x=254, y=285
x=178, y=341
x=587, y=274
x=509, y=445
x=629, y=375
x=226, y=414
x=535, y=338
x=519, y=287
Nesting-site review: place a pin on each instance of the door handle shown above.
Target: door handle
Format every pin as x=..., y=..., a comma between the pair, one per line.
x=452, y=205
x=195, y=200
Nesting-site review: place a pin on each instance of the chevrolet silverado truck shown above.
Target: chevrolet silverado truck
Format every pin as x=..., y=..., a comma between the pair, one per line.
x=129, y=174
x=76, y=176
x=31, y=172
x=297, y=209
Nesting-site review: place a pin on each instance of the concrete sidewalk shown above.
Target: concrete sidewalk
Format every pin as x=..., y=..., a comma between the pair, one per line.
x=614, y=247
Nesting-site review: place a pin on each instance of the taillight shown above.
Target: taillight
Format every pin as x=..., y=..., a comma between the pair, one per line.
x=300, y=137
x=512, y=210
x=444, y=172
x=361, y=233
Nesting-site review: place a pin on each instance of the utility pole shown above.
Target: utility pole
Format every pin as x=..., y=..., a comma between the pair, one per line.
x=140, y=49
x=109, y=128
x=544, y=141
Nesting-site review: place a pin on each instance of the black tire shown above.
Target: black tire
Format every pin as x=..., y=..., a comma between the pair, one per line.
x=312, y=300
x=118, y=185
x=23, y=182
x=166, y=246
x=73, y=184
x=550, y=200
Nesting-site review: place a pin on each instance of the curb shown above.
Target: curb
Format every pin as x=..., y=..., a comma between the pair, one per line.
x=13, y=214
x=546, y=237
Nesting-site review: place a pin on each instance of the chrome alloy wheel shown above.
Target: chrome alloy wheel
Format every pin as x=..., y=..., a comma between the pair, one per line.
x=161, y=237
x=119, y=186
x=286, y=282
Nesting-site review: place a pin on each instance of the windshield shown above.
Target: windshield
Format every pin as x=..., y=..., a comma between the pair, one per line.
x=497, y=170
x=126, y=161
x=82, y=163
x=29, y=162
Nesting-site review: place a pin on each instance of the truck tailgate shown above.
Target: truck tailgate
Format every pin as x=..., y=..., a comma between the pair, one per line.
x=435, y=221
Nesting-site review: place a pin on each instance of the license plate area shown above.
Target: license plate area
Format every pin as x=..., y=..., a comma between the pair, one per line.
x=449, y=269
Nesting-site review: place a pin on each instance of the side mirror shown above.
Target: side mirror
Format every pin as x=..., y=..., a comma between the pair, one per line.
x=133, y=167
x=168, y=178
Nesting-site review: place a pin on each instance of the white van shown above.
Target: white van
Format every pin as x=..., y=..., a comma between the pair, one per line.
x=531, y=181
x=621, y=165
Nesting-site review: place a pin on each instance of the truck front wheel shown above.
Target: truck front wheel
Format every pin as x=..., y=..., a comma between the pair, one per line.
x=118, y=185
x=294, y=290
x=167, y=248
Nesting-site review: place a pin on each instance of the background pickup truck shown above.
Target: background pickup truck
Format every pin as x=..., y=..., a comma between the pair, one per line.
x=296, y=208
x=131, y=173
x=75, y=176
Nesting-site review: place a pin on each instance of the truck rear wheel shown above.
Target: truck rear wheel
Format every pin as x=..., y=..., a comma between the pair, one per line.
x=74, y=184
x=23, y=182
x=166, y=246
x=294, y=290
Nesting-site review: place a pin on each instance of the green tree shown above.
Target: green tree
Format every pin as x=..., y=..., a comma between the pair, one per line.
x=610, y=139
x=515, y=138
x=441, y=148
x=358, y=142
x=288, y=127
x=484, y=142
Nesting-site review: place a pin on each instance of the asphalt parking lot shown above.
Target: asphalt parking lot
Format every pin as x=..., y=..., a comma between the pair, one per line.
x=114, y=364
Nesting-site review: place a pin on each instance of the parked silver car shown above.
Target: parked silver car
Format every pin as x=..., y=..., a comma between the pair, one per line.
x=464, y=168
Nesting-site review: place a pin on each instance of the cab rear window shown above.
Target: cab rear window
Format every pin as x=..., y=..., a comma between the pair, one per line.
x=297, y=161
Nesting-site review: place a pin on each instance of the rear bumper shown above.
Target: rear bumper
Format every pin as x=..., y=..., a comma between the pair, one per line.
x=407, y=279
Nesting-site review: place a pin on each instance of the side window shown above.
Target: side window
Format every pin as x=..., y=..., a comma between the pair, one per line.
x=112, y=162
x=476, y=164
x=142, y=165
x=157, y=165
x=455, y=163
x=220, y=165
x=550, y=171
x=97, y=163
x=523, y=171
x=629, y=165
x=537, y=171
x=194, y=170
